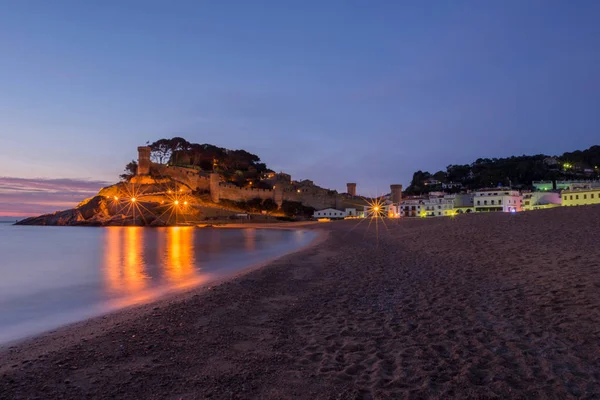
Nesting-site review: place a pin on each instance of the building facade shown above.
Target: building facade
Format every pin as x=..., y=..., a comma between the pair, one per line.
x=540, y=200
x=333, y=213
x=581, y=196
x=506, y=200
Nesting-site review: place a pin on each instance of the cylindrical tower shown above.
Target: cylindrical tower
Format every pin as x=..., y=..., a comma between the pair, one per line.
x=278, y=195
x=351, y=188
x=396, y=191
x=143, y=167
x=215, y=187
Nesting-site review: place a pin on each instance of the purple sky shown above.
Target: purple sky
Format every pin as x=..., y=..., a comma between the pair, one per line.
x=331, y=91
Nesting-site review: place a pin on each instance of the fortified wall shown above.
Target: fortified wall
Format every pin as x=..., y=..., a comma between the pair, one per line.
x=304, y=192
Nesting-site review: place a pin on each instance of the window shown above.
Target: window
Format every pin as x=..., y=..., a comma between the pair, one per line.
x=585, y=196
x=576, y=197
x=439, y=213
x=493, y=202
x=592, y=196
x=571, y=197
x=500, y=201
x=478, y=202
x=564, y=197
x=485, y=202
x=439, y=207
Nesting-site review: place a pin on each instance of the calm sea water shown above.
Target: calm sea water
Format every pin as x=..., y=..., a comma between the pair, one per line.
x=51, y=276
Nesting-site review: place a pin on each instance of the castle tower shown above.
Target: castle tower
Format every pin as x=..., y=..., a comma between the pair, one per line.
x=396, y=191
x=143, y=167
x=351, y=188
x=215, y=188
x=278, y=194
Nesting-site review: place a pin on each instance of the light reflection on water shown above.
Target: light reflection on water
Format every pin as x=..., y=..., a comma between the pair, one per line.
x=57, y=275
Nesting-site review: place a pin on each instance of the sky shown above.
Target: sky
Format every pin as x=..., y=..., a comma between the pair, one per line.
x=335, y=91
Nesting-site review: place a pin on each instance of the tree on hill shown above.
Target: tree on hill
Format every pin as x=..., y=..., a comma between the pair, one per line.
x=238, y=166
x=130, y=171
x=515, y=171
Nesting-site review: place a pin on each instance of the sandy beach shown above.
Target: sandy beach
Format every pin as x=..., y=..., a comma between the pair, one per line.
x=476, y=306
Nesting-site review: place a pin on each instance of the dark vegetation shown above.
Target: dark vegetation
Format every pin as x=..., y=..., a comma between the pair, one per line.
x=518, y=172
x=236, y=166
x=255, y=205
x=291, y=209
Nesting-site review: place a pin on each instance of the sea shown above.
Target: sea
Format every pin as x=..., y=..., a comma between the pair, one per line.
x=51, y=276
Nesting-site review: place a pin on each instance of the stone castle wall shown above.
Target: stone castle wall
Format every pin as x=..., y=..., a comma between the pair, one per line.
x=308, y=195
x=235, y=193
x=188, y=176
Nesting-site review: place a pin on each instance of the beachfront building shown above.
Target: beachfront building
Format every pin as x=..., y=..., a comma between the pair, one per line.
x=438, y=206
x=333, y=213
x=541, y=200
x=427, y=206
x=581, y=196
x=544, y=186
x=463, y=202
x=411, y=206
x=498, y=199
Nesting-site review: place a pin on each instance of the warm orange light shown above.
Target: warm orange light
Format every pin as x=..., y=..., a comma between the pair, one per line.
x=185, y=203
x=169, y=191
x=133, y=199
x=176, y=202
x=376, y=208
x=116, y=198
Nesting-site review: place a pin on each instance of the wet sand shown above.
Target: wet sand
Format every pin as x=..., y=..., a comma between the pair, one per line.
x=478, y=306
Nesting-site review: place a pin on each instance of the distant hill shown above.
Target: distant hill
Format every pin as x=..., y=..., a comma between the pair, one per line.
x=10, y=219
x=518, y=172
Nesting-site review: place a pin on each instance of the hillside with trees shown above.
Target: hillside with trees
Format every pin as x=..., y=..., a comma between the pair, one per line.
x=516, y=171
x=236, y=166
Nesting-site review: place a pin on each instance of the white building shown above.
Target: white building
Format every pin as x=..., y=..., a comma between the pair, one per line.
x=498, y=199
x=540, y=200
x=438, y=206
x=411, y=206
x=333, y=213
x=430, y=206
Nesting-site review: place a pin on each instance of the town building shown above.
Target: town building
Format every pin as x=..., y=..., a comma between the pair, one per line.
x=580, y=196
x=333, y=213
x=427, y=206
x=540, y=200
x=438, y=206
x=411, y=206
x=560, y=185
x=499, y=199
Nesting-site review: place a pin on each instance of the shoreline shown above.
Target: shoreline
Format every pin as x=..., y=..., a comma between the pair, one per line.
x=498, y=306
x=72, y=331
